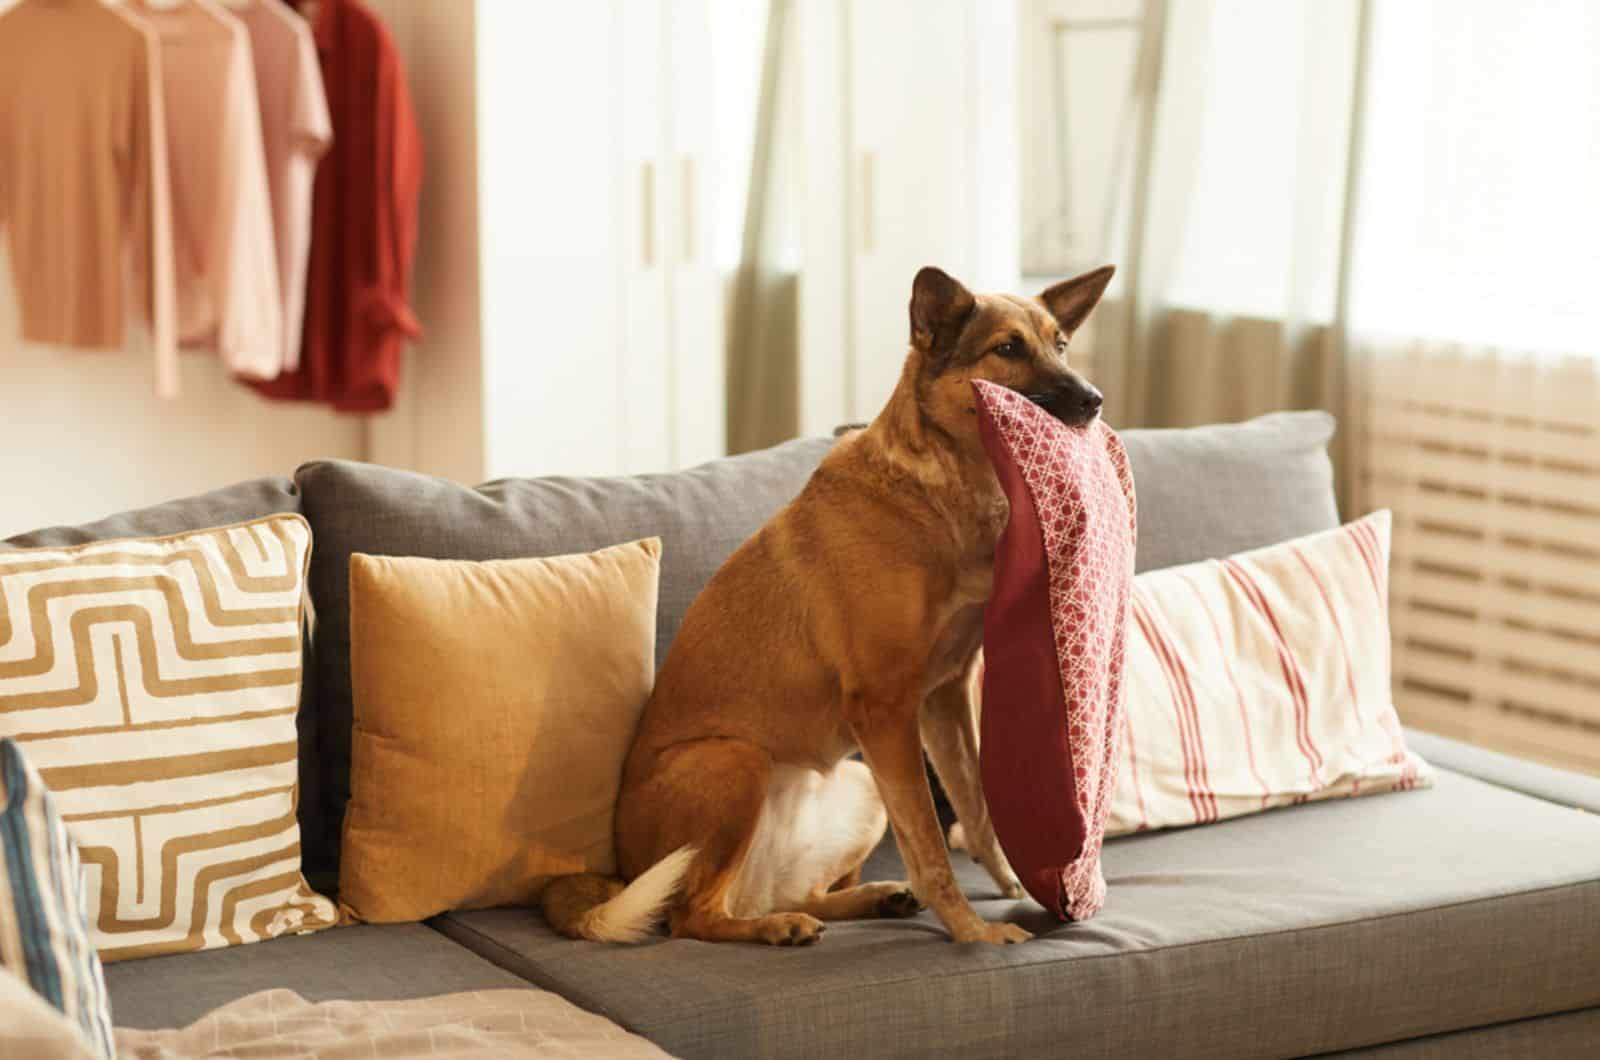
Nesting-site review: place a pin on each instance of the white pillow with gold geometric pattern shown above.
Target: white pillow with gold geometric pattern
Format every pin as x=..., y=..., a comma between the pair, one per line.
x=154, y=684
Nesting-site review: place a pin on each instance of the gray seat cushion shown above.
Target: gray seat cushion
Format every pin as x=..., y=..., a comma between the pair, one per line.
x=367, y=963
x=1327, y=926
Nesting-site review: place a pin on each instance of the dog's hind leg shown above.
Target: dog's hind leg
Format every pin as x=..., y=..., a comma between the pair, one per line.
x=864, y=901
x=710, y=794
x=828, y=825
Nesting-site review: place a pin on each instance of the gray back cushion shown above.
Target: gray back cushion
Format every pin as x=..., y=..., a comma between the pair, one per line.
x=701, y=515
x=1208, y=492
x=233, y=504
x=1205, y=492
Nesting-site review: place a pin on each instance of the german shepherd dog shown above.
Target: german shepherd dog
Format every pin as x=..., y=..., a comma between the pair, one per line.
x=852, y=620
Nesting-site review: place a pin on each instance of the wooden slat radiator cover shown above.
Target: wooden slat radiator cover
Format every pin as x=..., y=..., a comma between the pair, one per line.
x=1492, y=468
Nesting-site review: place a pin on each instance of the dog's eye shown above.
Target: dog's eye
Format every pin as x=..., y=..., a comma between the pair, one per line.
x=1009, y=349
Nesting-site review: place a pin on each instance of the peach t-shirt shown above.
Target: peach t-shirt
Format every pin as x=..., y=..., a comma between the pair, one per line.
x=295, y=133
x=224, y=251
x=84, y=202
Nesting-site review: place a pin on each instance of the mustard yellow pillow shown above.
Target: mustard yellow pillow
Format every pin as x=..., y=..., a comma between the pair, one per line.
x=494, y=705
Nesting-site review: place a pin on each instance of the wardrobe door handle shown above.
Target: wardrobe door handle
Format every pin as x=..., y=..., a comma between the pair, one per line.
x=687, y=164
x=869, y=218
x=647, y=214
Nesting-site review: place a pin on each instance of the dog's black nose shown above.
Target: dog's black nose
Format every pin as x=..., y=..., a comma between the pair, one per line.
x=1074, y=403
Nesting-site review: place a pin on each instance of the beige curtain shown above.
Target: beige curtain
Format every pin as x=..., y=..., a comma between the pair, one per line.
x=1387, y=209
x=1230, y=235
x=763, y=331
x=1475, y=339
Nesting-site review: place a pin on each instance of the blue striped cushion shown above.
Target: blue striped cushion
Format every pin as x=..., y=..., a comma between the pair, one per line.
x=44, y=929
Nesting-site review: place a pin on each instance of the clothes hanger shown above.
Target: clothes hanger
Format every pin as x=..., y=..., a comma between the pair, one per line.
x=216, y=9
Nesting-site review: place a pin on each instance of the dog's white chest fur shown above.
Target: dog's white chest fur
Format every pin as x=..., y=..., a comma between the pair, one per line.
x=814, y=828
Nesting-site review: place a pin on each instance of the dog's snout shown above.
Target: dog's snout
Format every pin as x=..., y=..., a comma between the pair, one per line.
x=1074, y=403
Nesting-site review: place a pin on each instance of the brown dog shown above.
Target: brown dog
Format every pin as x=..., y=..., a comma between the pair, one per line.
x=852, y=620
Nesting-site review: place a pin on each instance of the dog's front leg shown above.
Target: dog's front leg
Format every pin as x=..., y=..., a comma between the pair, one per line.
x=950, y=733
x=892, y=745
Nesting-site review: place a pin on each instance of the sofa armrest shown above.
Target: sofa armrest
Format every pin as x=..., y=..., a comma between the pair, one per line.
x=1507, y=771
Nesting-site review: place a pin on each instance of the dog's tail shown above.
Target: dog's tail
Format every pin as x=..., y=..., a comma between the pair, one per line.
x=600, y=908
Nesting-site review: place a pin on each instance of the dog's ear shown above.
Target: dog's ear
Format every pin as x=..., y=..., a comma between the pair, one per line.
x=938, y=303
x=1070, y=300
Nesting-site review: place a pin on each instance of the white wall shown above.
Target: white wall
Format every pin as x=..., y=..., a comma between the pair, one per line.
x=83, y=435
x=436, y=425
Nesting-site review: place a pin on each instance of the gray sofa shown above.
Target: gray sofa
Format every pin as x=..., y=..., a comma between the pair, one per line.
x=1462, y=920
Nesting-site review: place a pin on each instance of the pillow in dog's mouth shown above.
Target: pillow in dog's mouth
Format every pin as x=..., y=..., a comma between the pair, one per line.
x=1053, y=641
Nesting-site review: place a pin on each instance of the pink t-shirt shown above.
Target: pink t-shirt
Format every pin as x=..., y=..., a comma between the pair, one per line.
x=225, y=256
x=84, y=202
x=295, y=134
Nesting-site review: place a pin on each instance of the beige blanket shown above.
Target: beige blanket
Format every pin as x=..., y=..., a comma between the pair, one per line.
x=279, y=1024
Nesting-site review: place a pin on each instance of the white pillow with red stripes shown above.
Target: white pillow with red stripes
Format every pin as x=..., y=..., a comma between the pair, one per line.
x=1262, y=680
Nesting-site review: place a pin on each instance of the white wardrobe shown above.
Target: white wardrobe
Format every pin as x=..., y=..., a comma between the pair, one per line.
x=911, y=158
x=574, y=310
x=601, y=308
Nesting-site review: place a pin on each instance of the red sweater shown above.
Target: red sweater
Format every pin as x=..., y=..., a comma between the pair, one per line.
x=364, y=221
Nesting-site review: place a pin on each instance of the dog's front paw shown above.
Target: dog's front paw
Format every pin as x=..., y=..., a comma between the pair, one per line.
x=792, y=929
x=1012, y=888
x=998, y=934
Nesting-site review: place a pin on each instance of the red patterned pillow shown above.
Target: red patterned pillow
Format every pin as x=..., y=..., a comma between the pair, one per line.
x=1053, y=642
